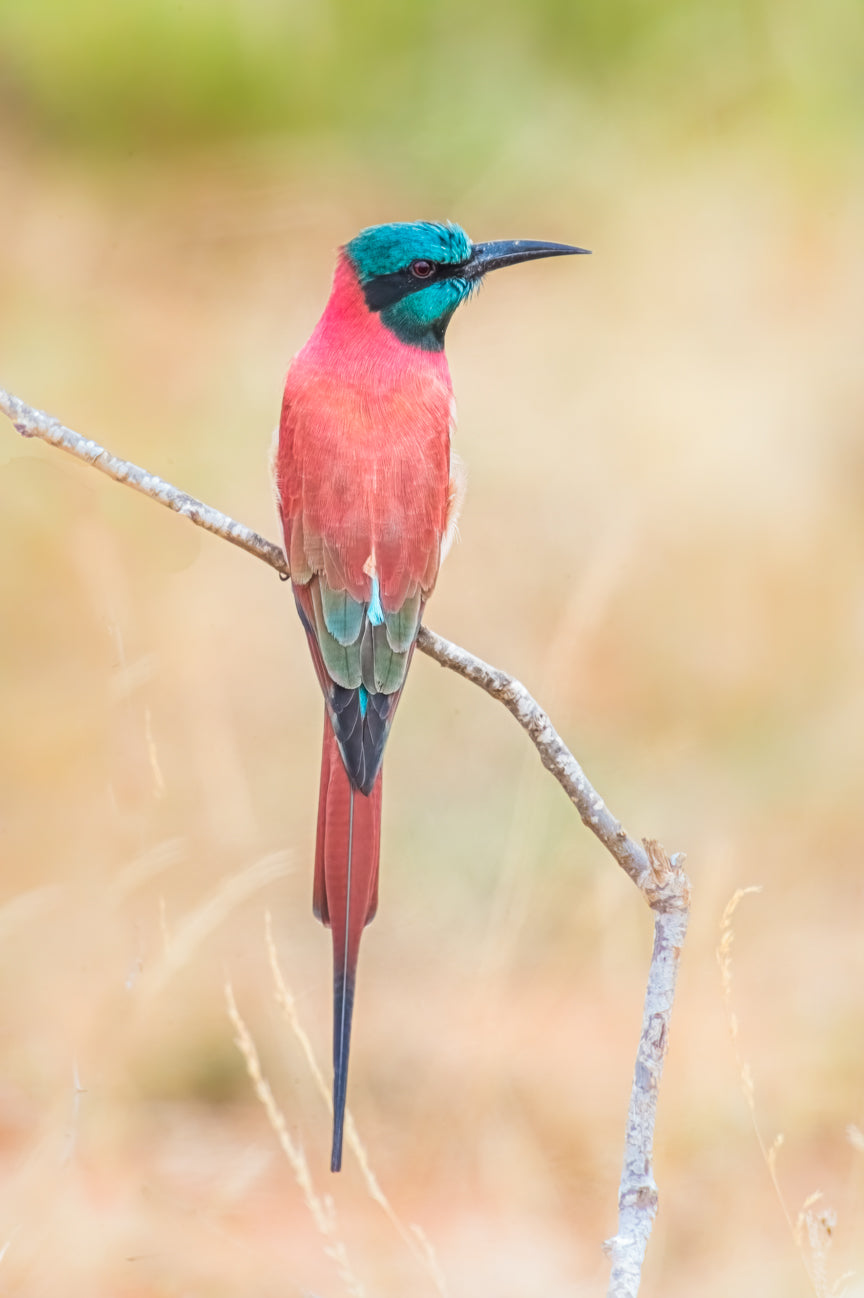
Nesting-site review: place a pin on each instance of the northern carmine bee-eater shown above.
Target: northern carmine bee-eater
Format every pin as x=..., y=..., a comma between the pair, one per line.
x=369, y=495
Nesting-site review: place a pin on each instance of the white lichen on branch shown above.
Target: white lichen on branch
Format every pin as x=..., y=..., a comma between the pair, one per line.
x=660, y=879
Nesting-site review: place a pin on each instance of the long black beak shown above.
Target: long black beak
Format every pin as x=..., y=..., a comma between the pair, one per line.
x=507, y=252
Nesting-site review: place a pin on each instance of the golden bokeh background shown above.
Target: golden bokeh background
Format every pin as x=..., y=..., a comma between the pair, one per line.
x=663, y=539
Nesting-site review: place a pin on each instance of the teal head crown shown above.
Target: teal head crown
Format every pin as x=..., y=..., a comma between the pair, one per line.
x=409, y=272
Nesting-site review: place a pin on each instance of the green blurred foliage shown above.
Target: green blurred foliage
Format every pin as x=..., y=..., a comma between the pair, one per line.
x=438, y=80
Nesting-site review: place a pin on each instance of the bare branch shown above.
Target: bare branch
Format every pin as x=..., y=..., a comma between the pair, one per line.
x=637, y=1196
x=660, y=879
x=35, y=423
x=554, y=754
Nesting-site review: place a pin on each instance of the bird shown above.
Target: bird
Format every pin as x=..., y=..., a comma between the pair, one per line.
x=369, y=493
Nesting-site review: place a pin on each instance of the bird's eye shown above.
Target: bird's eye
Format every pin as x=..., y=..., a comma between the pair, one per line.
x=422, y=269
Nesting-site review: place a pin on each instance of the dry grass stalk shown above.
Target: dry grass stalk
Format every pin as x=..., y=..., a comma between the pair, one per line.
x=321, y=1208
x=812, y=1230
x=413, y=1236
x=855, y=1136
x=146, y=867
x=212, y=912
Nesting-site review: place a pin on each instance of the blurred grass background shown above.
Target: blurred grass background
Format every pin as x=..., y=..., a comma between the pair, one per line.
x=663, y=537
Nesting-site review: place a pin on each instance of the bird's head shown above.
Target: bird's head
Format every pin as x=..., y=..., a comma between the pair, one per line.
x=414, y=274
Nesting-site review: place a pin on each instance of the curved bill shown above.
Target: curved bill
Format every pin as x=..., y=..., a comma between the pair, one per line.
x=508, y=252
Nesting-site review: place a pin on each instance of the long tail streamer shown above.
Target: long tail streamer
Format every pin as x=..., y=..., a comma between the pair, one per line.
x=343, y=1006
x=345, y=898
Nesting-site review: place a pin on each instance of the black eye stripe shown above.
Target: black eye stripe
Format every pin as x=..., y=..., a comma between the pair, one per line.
x=384, y=290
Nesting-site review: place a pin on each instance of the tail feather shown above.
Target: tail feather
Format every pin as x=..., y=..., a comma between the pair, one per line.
x=345, y=897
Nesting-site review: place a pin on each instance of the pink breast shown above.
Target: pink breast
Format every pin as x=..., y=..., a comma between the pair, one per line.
x=363, y=461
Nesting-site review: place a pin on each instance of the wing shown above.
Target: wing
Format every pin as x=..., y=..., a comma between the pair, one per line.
x=364, y=491
x=353, y=675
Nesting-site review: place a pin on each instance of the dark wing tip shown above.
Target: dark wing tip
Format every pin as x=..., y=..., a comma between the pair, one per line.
x=361, y=734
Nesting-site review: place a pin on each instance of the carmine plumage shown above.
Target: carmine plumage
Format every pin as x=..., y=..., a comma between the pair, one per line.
x=368, y=501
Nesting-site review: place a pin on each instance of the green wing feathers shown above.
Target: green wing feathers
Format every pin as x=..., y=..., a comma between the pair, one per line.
x=403, y=625
x=354, y=649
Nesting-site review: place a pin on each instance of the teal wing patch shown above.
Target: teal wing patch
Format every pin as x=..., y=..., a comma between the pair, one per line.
x=360, y=644
x=362, y=680
x=341, y=660
x=343, y=616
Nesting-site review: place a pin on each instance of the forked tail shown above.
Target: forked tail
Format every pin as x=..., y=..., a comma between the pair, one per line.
x=345, y=898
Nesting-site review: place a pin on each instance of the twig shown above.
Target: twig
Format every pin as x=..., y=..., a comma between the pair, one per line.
x=637, y=1196
x=633, y=857
x=35, y=423
x=660, y=878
